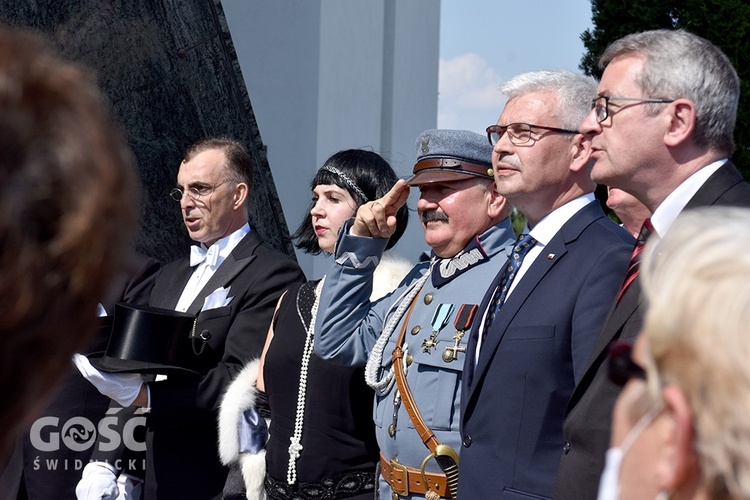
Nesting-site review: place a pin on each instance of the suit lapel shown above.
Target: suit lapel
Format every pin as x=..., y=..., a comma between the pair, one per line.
x=240, y=257
x=468, y=373
x=618, y=316
x=529, y=281
x=551, y=254
x=726, y=177
x=170, y=295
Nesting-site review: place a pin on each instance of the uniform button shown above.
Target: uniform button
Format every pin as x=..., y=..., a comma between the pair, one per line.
x=409, y=359
x=416, y=330
x=566, y=448
x=467, y=441
x=428, y=299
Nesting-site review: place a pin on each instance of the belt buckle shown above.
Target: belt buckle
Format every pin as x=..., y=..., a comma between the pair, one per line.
x=395, y=466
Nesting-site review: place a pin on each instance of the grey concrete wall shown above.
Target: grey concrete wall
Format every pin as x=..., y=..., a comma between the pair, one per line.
x=336, y=74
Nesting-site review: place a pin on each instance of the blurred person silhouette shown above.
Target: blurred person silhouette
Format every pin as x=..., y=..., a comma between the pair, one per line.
x=48, y=458
x=67, y=188
x=631, y=212
x=681, y=424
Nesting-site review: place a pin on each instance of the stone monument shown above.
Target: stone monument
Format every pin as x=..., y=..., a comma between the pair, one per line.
x=172, y=77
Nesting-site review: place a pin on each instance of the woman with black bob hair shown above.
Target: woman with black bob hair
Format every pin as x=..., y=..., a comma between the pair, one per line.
x=373, y=177
x=322, y=439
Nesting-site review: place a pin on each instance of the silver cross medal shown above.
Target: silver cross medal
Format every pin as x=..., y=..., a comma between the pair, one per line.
x=439, y=320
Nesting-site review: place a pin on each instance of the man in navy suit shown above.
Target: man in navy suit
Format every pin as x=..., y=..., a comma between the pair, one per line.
x=530, y=348
x=661, y=129
x=231, y=283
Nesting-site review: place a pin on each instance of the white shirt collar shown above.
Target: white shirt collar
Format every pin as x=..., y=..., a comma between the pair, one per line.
x=666, y=213
x=204, y=271
x=548, y=227
x=543, y=232
x=226, y=245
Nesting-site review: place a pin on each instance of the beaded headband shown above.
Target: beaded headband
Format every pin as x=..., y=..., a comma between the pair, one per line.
x=347, y=180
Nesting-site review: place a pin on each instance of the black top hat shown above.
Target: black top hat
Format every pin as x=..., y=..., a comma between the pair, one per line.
x=148, y=340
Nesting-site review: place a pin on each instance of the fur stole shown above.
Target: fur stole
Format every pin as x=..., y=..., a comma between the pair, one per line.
x=390, y=271
x=240, y=396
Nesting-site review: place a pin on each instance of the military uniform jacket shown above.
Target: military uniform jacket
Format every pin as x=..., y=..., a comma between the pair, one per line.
x=348, y=325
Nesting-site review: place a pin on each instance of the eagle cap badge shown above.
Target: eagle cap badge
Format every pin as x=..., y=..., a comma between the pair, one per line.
x=425, y=144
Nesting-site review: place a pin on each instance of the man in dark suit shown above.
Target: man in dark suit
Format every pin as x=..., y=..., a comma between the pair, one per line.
x=661, y=129
x=539, y=320
x=231, y=283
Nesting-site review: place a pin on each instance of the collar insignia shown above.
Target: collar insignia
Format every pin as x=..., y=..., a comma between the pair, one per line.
x=445, y=270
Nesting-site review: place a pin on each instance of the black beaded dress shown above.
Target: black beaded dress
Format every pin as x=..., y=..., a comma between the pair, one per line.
x=339, y=450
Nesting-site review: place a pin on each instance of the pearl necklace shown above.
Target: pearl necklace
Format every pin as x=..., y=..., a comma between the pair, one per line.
x=375, y=359
x=295, y=448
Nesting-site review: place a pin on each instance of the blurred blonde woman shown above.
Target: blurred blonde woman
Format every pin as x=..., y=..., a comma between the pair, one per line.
x=681, y=426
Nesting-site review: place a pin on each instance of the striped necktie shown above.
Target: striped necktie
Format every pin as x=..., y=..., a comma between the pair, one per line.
x=635, y=258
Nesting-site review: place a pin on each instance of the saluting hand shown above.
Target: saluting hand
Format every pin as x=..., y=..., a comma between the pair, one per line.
x=377, y=219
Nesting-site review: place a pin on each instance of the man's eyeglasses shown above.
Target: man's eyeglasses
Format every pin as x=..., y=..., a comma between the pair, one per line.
x=196, y=192
x=621, y=366
x=520, y=133
x=600, y=105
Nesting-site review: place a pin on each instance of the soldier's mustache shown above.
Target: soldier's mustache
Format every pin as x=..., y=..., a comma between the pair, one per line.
x=433, y=215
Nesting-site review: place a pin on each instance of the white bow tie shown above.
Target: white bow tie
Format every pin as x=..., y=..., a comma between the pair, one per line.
x=198, y=254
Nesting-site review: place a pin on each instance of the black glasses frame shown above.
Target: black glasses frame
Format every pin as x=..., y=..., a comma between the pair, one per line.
x=621, y=367
x=602, y=112
x=519, y=137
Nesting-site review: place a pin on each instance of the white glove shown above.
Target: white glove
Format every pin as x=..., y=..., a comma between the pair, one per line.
x=129, y=487
x=98, y=482
x=121, y=387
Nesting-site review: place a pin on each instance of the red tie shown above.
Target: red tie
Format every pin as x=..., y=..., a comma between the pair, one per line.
x=635, y=258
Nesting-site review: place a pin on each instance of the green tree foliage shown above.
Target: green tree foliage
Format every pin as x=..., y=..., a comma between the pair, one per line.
x=726, y=23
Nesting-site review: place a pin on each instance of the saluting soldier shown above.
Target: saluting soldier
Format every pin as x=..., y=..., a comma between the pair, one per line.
x=415, y=337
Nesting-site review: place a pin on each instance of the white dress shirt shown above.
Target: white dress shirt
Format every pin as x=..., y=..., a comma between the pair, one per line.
x=215, y=256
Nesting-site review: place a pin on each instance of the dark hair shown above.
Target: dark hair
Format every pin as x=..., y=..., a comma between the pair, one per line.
x=371, y=173
x=239, y=161
x=67, y=195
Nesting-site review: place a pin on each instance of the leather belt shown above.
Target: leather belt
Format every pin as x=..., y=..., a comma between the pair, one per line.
x=445, y=456
x=407, y=480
